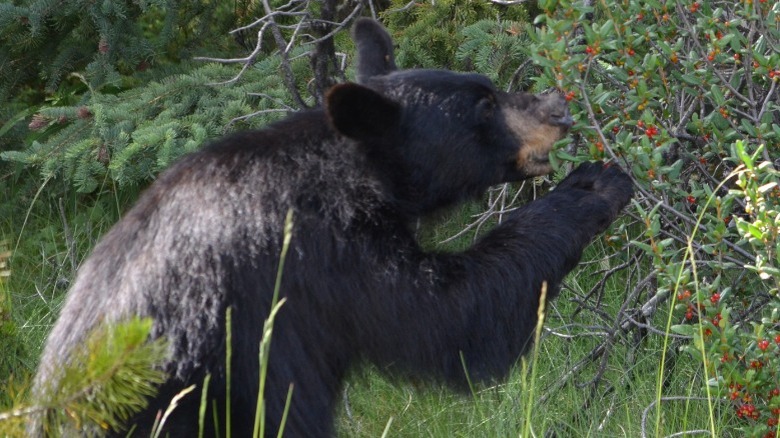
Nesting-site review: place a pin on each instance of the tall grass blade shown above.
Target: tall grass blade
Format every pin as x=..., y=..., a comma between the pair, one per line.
x=265, y=343
x=228, y=364
x=529, y=402
x=203, y=404
x=171, y=407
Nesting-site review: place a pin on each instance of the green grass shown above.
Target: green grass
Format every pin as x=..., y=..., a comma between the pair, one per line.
x=613, y=409
x=48, y=238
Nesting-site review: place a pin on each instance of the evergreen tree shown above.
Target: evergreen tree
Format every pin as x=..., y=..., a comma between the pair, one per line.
x=46, y=40
x=118, y=123
x=430, y=34
x=52, y=52
x=135, y=134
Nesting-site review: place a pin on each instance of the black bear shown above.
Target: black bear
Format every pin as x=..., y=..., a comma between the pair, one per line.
x=207, y=236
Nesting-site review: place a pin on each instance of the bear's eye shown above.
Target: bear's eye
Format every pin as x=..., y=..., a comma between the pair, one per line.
x=486, y=107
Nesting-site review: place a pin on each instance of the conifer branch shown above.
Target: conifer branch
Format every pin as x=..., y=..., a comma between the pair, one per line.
x=104, y=384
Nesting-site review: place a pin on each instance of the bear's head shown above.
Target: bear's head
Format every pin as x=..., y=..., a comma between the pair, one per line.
x=436, y=136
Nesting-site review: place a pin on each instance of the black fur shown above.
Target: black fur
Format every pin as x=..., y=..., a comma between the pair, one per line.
x=376, y=51
x=207, y=236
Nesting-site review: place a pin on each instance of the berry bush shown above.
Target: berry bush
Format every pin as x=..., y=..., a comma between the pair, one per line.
x=683, y=94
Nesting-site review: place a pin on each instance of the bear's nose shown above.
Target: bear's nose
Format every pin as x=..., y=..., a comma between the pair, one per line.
x=563, y=120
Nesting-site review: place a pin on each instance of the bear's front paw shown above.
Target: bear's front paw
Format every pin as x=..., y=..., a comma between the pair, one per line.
x=583, y=177
x=599, y=177
x=604, y=184
x=615, y=186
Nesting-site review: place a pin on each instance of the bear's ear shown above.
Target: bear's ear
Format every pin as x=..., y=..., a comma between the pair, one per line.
x=361, y=113
x=374, y=50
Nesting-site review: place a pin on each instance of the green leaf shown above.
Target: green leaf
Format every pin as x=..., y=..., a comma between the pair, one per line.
x=726, y=39
x=717, y=95
x=683, y=329
x=739, y=150
x=643, y=246
x=755, y=232
x=749, y=128
x=607, y=29
x=691, y=79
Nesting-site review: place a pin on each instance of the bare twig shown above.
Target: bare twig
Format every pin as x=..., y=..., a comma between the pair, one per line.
x=306, y=30
x=402, y=8
x=248, y=60
x=508, y=2
x=281, y=44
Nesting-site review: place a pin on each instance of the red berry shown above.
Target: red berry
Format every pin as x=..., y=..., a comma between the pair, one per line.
x=716, y=320
x=777, y=339
x=715, y=298
x=691, y=199
x=651, y=132
x=763, y=344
